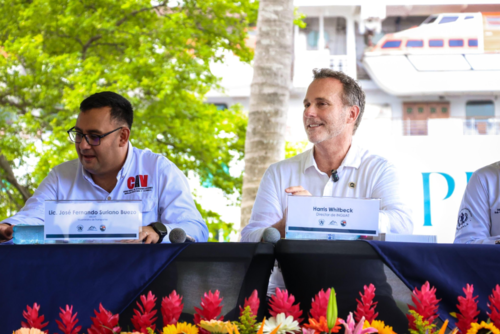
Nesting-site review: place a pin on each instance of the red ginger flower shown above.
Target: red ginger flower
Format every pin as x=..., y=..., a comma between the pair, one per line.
x=211, y=307
x=171, y=308
x=319, y=305
x=253, y=302
x=282, y=303
x=366, y=307
x=426, y=304
x=32, y=318
x=68, y=321
x=468, y=310
x=494, y=306
x=105, y=322
x=144, y=318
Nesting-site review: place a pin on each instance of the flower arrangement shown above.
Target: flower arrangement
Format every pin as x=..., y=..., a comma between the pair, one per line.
x=286, y=316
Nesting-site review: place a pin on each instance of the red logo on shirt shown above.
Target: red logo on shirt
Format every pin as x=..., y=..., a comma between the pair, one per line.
x=138, y=181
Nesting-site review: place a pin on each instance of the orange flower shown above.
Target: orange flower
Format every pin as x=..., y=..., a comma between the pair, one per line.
x=321, y=326
x=28, y=331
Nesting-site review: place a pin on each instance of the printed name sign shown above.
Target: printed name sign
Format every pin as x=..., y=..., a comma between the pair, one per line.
x=92, y=220
x=312, y=217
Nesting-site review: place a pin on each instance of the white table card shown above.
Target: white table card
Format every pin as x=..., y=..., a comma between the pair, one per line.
x=92, y=220
x=325, y=217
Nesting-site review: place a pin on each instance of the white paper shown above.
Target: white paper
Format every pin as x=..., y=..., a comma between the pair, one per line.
x=325, y=217
x=92, y=220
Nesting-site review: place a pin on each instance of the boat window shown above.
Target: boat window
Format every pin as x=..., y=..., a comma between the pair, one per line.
x=444, y=110
x=436, y=43
x=433, y=110
x=420, y=110
x=456, y=42
x=409, y=110
x=430, y=19
x=414, y=43
x=448, y=19
x=391, y=44
x=469, y=17
x=472, y=42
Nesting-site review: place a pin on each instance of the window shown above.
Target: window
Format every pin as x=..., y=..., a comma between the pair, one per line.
x=448, y=19
x=469, y=17
x=433, y=110
x=414, y=43
x=430, y=20
x=391, y=44
x=472, y=42
x=220, y=106
x=480, y=109
x=456, y=43
x=409, y=110
x=444, y=110
x=420, y=110
x=434, y=43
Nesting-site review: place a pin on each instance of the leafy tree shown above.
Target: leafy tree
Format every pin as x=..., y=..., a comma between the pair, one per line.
x=156, y=53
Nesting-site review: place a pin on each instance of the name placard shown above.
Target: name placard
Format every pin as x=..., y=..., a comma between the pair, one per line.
x=325, y=217
x=92, y=220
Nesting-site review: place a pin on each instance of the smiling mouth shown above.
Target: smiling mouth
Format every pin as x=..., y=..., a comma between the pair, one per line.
x=312, y=126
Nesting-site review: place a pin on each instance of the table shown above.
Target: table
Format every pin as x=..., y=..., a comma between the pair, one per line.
x=116, y=275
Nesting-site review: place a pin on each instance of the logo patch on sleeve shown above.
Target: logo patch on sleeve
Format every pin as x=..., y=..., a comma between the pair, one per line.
x=464, y=217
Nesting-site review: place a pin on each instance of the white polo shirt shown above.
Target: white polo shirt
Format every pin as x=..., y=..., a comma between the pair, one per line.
x=145, y=176
x=479, y=214
x=373, y=177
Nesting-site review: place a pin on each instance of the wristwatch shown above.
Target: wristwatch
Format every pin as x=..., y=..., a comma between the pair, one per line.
x=160, y=229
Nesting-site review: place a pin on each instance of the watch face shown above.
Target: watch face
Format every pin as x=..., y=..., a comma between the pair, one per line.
x=161, y=228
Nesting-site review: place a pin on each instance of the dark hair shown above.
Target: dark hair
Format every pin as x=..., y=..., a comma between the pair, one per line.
x=121, y=109
x=352, y=94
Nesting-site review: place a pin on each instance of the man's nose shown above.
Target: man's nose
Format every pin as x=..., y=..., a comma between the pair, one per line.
x=310, y=112
x=84, y=145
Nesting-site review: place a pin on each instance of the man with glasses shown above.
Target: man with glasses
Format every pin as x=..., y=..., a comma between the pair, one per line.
x=109, y=168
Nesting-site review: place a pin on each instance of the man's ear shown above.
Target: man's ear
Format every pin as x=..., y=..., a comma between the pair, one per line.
x=124, y=136
x=353, y=114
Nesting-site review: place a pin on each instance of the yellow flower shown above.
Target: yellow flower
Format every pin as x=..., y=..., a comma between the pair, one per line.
x=130, y=333
x=180, y=328
x=215, y=326
x=380, y=327
x=475, y=328
x=232, y=329
x=28, y=331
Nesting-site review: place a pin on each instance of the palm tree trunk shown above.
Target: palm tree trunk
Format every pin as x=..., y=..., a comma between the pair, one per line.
x=269, y=95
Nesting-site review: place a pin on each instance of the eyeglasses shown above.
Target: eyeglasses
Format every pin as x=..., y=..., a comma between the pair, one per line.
x=92, y=140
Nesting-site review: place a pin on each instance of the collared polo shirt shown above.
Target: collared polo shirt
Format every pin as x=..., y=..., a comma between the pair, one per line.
x=145, y=176
x=362, y=174
x=479, y=214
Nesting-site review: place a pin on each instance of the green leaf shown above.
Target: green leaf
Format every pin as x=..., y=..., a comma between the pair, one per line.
x=331, y=310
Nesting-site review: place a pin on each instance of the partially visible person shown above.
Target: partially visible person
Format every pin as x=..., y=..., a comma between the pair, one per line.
x=110, y=168
x=335, y=166
x=479, y=214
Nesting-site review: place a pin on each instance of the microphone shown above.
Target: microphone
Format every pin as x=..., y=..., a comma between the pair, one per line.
x=335, y=175
x=271, y=235
x=179, y=236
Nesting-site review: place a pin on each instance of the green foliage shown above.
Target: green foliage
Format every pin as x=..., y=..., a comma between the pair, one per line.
x=247, y=323
x=150, y=331
x=423, y=327
x=294, y=148
x=156, y=53
x=216, y=226
x=298, y=18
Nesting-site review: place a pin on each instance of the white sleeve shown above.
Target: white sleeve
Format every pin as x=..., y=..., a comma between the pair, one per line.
x=474, y=221
x=395, y=215
x=33, y=212
x=266, y=210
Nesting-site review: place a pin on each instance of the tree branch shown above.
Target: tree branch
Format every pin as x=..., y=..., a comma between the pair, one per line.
x=88, y=44
x=134, y=13
x=11, y=178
